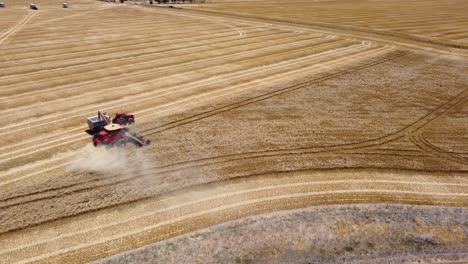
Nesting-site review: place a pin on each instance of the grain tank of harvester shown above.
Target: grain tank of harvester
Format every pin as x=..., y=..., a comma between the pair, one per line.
x=114, y=132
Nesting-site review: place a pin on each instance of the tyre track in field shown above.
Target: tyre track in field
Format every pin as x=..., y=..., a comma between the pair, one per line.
x=54, y=37
x=64, y=64
x=78, y=70
x=134, y=24
x=265, y=96
x=65, y=143
x=139, y=55
x=247, y=196
x=13, y=30
x=169, y=168
x=62, y=190
x=422, y=143
x=108, y=78
x=148, y=96
x=417, y=138
x=115, y=73
x=51, y=53
x=20, y=177
x=170, y=124
x=320, y=45
x=414, y=127
x=96, y=40
x=401, y=133
x=17, y=145
x=50, y=49
x=175, y=103
x=218, y=21
x=399, y=39
x=254, y=57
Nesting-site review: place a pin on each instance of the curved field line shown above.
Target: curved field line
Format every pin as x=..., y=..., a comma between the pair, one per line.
x=302, y=87
x=147, y=97
x=320, y=45
x=111, y=46
x=5, y=36
x=419, y=140
x=244, y=191
x=145, y=204
x=72, y=62
x=210, y=113
x=54, y=43
x=222, y=93
x=406, y=41
x=399, y=195
x=93, y=184
x=166, y=71
x=415, y=126
x=330, y=26
x=49, y=136
x=269, y=194
x=29, y=48
x=237, y=74
x=235, y=88
x=162, y=70
x=62, y=85
x=262, y=97
x=146, y=48
x=106, y=46
x=139, y=26
x=268, y=95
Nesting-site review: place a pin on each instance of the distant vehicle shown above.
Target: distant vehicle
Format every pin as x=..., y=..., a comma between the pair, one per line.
x=33, y=7
x=65, y=5
x=2, y=4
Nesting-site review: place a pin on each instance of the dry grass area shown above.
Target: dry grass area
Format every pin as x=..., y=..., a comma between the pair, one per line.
x=249, y=113
x=321, y=234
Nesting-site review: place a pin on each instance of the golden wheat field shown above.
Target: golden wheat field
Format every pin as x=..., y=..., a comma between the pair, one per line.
x=330, y=131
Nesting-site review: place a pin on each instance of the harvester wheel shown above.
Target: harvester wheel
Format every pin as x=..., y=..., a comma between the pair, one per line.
x=131, y=120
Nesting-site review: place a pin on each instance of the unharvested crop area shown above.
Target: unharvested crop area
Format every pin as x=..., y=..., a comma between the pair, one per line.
x=252, y=108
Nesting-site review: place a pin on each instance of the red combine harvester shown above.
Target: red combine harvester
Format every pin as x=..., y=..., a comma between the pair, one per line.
x=114, y=132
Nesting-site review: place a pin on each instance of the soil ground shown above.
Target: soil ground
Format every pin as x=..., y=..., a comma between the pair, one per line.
x=249, y=113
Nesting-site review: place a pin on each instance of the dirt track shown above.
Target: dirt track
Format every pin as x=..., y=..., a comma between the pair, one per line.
x=246, y=116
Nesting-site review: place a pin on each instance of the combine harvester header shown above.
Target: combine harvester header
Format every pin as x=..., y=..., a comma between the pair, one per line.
x=114, y=132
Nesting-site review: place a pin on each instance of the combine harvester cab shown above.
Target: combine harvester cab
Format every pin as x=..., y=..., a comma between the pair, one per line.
x=115, y=133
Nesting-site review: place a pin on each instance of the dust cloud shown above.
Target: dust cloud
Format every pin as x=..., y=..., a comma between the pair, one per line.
x=111, y=160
